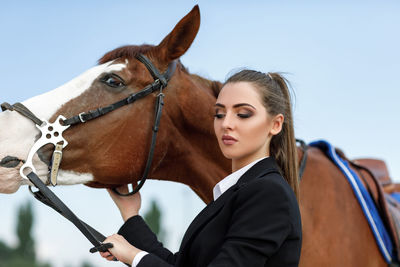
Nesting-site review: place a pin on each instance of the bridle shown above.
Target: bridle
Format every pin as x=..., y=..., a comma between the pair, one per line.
x=52, y=132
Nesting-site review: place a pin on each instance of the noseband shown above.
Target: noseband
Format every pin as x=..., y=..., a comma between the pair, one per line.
x=52, y=132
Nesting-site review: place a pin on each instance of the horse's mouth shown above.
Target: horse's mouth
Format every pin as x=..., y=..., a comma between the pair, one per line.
x=10, y=162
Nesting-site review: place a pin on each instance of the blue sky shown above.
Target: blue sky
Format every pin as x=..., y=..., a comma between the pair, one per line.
x=341, y=57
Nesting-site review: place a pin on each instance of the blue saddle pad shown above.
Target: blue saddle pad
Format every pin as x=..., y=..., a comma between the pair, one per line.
x=396, y=196
x=367, y=204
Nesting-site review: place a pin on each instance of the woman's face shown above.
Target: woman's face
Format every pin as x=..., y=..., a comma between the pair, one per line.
x=242, y=124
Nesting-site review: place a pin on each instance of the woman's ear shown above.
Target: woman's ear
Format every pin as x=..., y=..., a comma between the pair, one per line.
x=277, y=124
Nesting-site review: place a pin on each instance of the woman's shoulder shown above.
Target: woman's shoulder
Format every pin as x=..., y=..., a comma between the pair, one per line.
x=268, y=194
x=270, y=186
x=270, y=180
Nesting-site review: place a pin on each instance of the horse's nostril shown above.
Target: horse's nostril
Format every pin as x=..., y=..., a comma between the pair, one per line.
x=10, y=162
x=45, y=153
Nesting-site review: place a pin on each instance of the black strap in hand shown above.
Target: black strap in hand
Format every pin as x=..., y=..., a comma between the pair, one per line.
x=46, y=196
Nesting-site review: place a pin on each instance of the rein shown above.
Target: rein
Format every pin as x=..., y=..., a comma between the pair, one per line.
x=47, y=197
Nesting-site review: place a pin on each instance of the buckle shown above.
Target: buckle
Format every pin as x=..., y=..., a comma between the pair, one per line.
x=80, y=117
x=163, y=80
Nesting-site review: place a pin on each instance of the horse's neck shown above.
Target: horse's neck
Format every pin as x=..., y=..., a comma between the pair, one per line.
x=194, y=157
x=194, y=167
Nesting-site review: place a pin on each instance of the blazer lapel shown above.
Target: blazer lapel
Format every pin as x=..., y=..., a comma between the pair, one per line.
x=261, y=168
x=205, y=215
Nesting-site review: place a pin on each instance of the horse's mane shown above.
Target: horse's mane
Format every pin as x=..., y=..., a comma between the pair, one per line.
x=215, y=86
x=128, y=51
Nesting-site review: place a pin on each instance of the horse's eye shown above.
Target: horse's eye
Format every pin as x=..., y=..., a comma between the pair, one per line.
x=113, y=80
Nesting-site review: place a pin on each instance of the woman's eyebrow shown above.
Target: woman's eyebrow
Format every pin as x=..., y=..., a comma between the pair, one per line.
x=243, y=104
x=235, y=106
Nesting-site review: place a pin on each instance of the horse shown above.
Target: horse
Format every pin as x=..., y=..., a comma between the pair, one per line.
x=111, y=151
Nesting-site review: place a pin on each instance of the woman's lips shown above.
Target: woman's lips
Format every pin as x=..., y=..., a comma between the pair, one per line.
x=228, y=140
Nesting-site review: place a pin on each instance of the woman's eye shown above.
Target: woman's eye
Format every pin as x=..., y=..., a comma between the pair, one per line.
x=113, y=80
x=244, y=115
x=219, y=115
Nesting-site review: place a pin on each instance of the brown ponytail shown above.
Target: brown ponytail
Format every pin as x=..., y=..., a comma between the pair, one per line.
x=277, y=100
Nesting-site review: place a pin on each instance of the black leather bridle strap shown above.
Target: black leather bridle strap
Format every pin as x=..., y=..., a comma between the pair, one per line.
x=158, y=112
x=24, y=111
x=47, y=197
x=153, y=70
x=161, y=81
x=157, y=118
x=93, y=114
x=303, y=162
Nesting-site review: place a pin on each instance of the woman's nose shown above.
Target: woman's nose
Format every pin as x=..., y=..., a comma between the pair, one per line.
x=228, y=122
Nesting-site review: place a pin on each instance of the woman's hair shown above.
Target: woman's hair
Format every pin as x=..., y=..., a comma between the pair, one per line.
x=276, y=98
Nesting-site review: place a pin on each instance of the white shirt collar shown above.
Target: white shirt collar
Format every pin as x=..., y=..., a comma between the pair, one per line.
x=231, y=179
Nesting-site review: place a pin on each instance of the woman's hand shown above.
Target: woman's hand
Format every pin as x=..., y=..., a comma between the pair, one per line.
x=122, y=249
x=128, y=206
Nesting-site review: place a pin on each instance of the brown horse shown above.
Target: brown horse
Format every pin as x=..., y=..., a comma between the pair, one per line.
x=112, y=150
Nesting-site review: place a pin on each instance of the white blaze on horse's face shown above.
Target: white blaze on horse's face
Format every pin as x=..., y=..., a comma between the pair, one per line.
x=18, y=134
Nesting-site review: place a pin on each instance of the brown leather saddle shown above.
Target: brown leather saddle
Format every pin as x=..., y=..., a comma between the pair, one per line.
x=376, y=179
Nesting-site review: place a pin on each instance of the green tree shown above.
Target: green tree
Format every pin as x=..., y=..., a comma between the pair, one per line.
x=26, y=243
x=153, y=219
x=24, y=254
x=5, y=251
x=86, y=264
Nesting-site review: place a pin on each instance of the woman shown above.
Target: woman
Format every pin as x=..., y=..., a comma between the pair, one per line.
x=254, y=219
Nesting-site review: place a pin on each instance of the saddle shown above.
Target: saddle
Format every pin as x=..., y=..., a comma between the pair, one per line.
x=376, y=179
x=385, y=225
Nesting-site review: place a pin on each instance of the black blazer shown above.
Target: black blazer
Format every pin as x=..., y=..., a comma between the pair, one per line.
x=254, y=223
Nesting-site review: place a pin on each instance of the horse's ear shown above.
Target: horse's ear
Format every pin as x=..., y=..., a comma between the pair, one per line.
x=177, y=42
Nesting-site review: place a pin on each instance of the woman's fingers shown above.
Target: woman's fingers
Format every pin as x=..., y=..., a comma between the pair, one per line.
x=107, y=255
x=121, y=249
x=128, y=206
x=123, y=189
